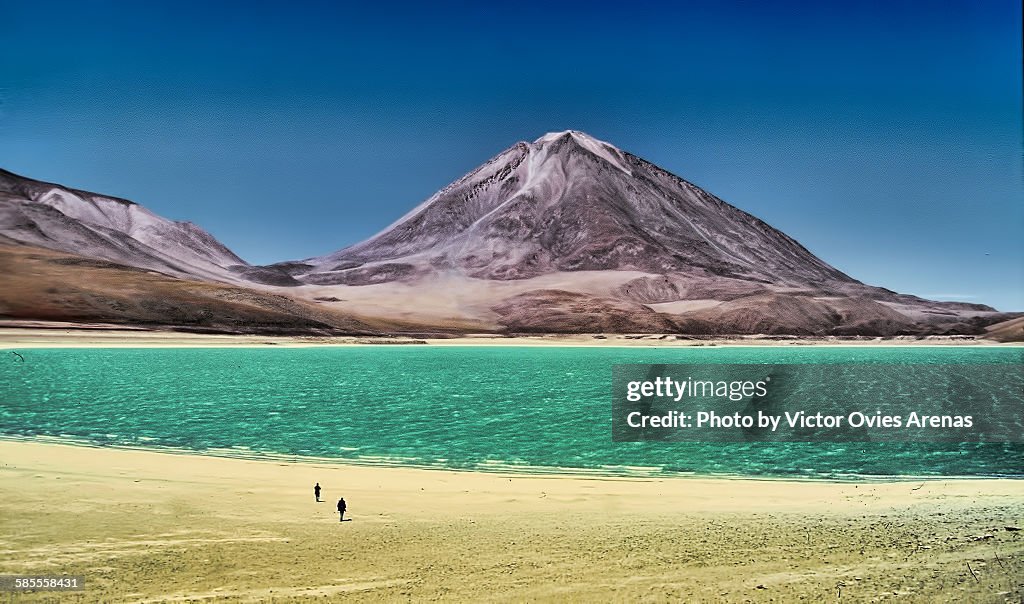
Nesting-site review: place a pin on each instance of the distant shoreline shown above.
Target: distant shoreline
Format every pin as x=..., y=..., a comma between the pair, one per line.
x=26, y=335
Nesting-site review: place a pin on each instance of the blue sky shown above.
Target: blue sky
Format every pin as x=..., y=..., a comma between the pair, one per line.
x=884, y=136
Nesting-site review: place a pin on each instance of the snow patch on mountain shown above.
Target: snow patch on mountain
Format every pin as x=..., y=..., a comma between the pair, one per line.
x=97, y=226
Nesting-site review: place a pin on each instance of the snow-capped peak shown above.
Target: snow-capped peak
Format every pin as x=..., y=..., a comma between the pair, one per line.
x=576, y=134
x=605, y=151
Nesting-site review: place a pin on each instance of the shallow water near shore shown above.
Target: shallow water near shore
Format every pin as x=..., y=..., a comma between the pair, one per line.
x=474, y=408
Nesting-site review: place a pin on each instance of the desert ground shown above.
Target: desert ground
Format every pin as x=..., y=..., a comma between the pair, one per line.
x=146, y=526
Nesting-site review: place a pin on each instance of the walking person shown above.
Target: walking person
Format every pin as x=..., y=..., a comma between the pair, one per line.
x=316, y=491
x=341, y=509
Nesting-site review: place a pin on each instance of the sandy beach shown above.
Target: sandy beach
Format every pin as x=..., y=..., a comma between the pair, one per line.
x=146, y=526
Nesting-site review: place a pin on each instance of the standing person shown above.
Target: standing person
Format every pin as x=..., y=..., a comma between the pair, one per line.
x=341, y=509
x=316, y=491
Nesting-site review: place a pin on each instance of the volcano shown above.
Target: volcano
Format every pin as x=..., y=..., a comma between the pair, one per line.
x=569, y=202
x=570, y=233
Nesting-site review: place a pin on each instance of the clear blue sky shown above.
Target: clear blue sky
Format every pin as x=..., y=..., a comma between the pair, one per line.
x=885, y=136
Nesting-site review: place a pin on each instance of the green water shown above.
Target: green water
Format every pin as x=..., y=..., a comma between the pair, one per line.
x=533, y=409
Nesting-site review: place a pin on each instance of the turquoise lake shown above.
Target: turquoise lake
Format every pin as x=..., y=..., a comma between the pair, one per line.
x=504, y=408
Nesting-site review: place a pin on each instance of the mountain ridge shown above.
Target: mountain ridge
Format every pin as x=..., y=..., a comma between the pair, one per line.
x=565, y=234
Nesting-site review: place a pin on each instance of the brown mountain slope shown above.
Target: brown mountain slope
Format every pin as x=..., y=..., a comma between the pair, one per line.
x=1006, y=331
x=41, y=284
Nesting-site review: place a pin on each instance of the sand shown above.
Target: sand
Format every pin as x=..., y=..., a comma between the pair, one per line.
x=36, y=334
x=149, y=526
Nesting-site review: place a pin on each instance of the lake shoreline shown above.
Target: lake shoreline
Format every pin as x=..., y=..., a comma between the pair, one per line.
x=49, y=335
x=502, y=470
